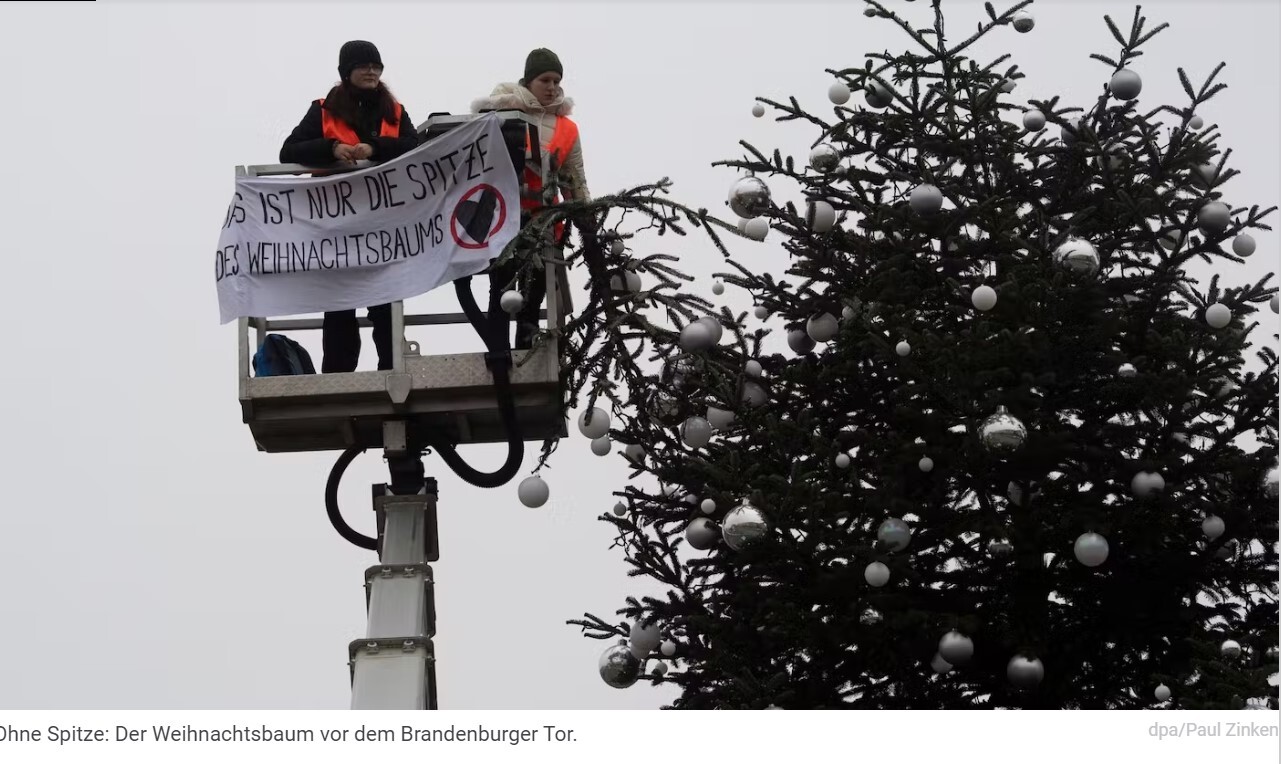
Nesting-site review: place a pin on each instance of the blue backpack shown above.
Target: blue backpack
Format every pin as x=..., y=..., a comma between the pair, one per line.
x=279, y=356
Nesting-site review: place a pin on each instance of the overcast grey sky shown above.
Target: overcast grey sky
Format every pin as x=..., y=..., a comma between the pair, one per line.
x=149, y=556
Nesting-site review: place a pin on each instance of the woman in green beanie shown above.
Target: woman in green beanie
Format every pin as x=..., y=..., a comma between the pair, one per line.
x=538, y=93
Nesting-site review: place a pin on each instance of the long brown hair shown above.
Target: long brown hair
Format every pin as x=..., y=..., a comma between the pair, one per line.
x=343, y=98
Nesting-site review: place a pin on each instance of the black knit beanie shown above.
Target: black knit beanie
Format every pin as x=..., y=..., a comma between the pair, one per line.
x=356, y=53
x=541, y=60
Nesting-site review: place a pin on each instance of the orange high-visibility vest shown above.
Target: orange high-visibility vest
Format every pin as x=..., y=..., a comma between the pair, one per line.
x=337, y=130
x=561, y=143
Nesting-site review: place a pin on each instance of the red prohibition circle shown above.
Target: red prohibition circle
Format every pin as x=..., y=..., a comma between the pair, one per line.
x=502, y=217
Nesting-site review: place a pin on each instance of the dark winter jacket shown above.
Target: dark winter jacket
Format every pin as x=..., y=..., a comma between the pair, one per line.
x=308, y=145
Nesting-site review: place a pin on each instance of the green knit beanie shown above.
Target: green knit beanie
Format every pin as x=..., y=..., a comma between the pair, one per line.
x=541, y=60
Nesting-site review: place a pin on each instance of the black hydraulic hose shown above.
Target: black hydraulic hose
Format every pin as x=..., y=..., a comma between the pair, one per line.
x=331, y=501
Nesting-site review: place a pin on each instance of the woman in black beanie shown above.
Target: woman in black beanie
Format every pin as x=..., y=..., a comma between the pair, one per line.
x=358, y=119
x=538, y=93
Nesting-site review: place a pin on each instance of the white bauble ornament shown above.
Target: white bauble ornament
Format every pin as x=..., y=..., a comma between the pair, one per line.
x=926, y=199
x=903, y=348
x=838, y=93
x=1274, y=303
x=620, y=509
x=749, y=197
x=1218, y=315
x=824, y=157
x=628, y=281
x=618, y=667
x=842, y=461
x=701, y=533
x=714, y=328
x=955, y=648
x=1144, y=484
x=1196, y=123
x=894, y=534
x=660, y=668
x=643, y=639
x=616, y=247
x=877, y=95
x=820, y=216
x=1078, y=256
x=696, y=337
x=939, y=665
x=877, y=574
x=511, y=301
x=1025, y=673
x=926, y=464
x=754, y=395
x=696, y=432
x=634, y=452
x=821, y=328
x=668, y=648
x=1212, y=526
x=719, y=419
x=753, y=369
x=1213, y=216
x=1023, y=22
x=708, y=506
x=1091, y=549
x=758, y=110
x=600, y=446
x=799, y=341
x=743, y=525
x=532, y=491
x=984, y=298
x=1033, y=120
x=1007, y=86
x=1205, y=175
x=755, y=228
x=1243, y=245
x=718, y=287
x=847, y=312
x=598, y=424
x=1162, y=693
x=1126, y=84
x=761, y=312
x=1127, y=370
x=1230, y=648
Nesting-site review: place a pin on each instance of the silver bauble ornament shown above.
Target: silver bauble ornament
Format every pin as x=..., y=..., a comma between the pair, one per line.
x=756, y=228
x=761, y=312
x=708, y=506
x=600, y=446
x=1091, y=549
x=718, y=287
x=1162, y=693
x=1127, y=370
x=696, y=432
x=618, y=667
x=877, y=574
x=753, y=394
x=701, y=533
x=1218, y=315
x=1002, y=433
x=1023, y=22
x=714, y=328
x=1212, y=526
x=1243, y=245
x=743, y=525
x=696, y=337
x=620, y=509
x=1126, y=84
x=800, y=342
x=939, y=665
x=1033, y=120
x=1230, y=648
x=824, y=157
x=821, y=328
x=838, y=93
x=894, y=534
x=511, y=301
x=1213, y=216
x=1196, y=123
x=749, y=197
x=1077, y=256
x=668, y=648
x=1025, y=673
x=532, y=491
x=984, y=298
x=842, y=461
x=926, y=199
x=820, y=216
x=758, y=110
x=956, y=648
x=877, y=95
x=643, y=639
x=593, y=423
x=926, y=464
x=903, y=348
x=719, y=419
x=753, y=369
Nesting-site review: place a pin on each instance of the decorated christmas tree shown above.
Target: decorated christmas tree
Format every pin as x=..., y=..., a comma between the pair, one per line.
x=1017, y=457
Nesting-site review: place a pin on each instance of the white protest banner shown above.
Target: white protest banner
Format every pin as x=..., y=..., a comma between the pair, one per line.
x=295, y=244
